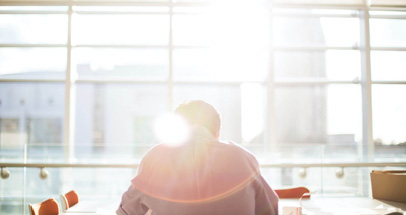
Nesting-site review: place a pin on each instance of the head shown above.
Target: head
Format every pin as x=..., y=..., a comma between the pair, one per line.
x=201, y=113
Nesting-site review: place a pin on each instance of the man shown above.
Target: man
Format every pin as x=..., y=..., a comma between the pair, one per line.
x=202, y=176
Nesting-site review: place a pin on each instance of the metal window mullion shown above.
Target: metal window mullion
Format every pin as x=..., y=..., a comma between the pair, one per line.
x=119, y=13
x=122, y=80
x=124, y=46
x=170, y=58
x=319, y=6
x=388, y=7
x=34, y=12
x=80, y=3
x=310, y=15
x=389, y=82
x=30, y=80
x=271, y=89
x=381, y=48
x=262, y=165
x=69, y=97
x=387, y=17
x=312, y=82
x=16, y=45
x=368, y=145
x=313, y=48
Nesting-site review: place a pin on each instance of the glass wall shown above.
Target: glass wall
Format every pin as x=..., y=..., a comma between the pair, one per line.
x=305, y=81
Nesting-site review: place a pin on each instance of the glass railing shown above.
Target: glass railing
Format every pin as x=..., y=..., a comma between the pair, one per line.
x=104, y=172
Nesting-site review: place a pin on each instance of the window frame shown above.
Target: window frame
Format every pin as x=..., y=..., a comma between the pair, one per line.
x=71, y=80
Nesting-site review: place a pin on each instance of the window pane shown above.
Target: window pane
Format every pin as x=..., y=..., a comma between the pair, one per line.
x=328, y=115
x=389, y=115
x=219, y=64
x=121, y=29
x=114, y=121
x=43, y=63
x=243, y=104
x=31, y=114
x=324, y=31
x=388, y=65
x=29, y=28
x=142, y=64
x=190, y=30
x=222, y=25
x=320, y=64
x=388, y=32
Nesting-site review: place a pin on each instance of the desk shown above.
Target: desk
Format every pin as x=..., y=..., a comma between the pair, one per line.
x=342, y=205
x=313, y=206
x=94, y=206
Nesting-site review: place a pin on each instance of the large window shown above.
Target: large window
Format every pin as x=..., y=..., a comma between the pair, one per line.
x=295, y=81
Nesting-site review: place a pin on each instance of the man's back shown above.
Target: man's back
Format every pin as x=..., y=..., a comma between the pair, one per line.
x=203, y=176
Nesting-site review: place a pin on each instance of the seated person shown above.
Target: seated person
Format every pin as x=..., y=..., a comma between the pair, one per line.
x=202, y=176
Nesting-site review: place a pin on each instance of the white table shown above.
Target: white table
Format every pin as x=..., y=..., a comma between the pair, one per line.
x=94, y=206
x=343, y=205
x=313, y=206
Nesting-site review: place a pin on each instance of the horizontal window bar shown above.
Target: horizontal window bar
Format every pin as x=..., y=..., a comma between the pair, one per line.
x=135, y=165
x=118, y=12
x=389, y=82
x=201, y=3
x=283, y=14
x=79, y=3
x=118, y=46
x=388, y=48
x=313, y=82
x=120, y=80
x=32, y=12
x=99, y=3
x=377, y=8
x=5, y=79
x=33, y=45
x=387, y=16
x=388, y=7
x=313, y=48
x=320, y=6
x=123, y=80
x=276, y=48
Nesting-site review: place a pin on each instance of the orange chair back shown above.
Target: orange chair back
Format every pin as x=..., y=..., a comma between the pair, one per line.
x=71, y=198
x=47, y=207
x=296, y=192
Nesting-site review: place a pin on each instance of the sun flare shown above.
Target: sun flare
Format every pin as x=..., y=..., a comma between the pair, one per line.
x=171, y=129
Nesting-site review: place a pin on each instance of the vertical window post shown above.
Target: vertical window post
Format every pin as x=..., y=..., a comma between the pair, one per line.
x=365, y=46
x=270, y=129
x=367, y=138
x=69, y=134
x=170, y=49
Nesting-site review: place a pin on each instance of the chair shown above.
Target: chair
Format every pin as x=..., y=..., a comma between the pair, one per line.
x=295, y=193
x=68, y=200
x=47, y=207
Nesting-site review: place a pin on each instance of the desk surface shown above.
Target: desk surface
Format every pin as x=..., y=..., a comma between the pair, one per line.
x=313, y=206
x=343, y=205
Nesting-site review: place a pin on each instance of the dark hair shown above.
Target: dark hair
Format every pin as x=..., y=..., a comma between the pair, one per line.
x=198, y=112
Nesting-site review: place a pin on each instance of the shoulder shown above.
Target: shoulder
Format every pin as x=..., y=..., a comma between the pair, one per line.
x=153, y=154
x=241, y=152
